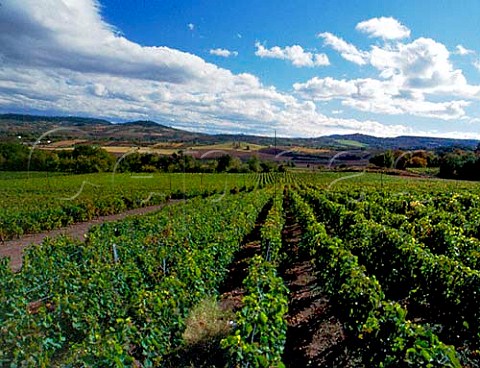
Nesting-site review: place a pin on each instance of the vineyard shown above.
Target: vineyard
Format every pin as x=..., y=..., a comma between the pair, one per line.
x=266, y=270
x=32, y=202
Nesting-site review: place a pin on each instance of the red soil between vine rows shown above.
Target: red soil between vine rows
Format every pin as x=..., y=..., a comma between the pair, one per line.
x=315, y=337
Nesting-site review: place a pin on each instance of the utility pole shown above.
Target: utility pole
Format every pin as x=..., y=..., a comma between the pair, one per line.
x=275, y=142
x=275, y=145
x=381, y=180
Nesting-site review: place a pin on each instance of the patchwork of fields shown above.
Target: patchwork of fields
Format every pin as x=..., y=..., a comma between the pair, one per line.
x=326, y=269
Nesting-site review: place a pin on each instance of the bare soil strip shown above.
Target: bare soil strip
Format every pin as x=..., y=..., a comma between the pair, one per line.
x=315, y=337
x=231, y=292
x=14, y=248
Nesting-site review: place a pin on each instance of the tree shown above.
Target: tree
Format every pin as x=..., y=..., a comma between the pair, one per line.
x=389, y=159
x=402, y=160
x=417, y=161
x=267, y=166
x=235, y=165
x=15, y=156
x=224, y=163
x=90, y=159
x=386, y=159
x=458, y=164
x=254, y=164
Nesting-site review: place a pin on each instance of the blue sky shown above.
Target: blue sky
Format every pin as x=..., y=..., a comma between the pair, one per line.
x=302, y=68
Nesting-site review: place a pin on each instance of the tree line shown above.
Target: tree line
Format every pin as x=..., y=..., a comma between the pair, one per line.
x=83, y=159
x=452, y=163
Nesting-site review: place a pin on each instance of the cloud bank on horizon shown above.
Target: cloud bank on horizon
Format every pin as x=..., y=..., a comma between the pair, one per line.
x=63, y=57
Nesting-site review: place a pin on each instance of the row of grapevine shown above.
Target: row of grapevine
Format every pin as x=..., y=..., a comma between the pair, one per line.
x=265, y=179
x=416, y=209
x=387, y=337
x=439, y=289
x=260, y=335
x=123, y=296
x=271, y=232
x=270, y=178
x=442, y=231
x=451, y=230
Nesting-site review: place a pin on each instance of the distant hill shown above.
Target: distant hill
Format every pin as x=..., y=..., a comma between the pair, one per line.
x=98, y=130
x=407, y=142
x=65, y=120
x=31, y=127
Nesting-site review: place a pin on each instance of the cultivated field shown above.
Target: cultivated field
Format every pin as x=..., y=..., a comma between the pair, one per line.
x=33, y=202
x=270, y=270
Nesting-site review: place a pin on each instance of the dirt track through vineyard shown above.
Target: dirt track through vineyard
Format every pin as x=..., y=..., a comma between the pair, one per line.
x=14, y=248
x=231, y=292
x=315, y=337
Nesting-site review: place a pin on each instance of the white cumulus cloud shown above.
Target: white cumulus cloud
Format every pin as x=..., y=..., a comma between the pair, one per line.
x=347, y=50
x=63, y=58
x=77, y=38
x=326, y=88
x=476, y=64
x=296, y=54
x=414, y=78
x=387, y=28
x=461, y=50
x=379, y=96
x=223, y=52
x=409, y=74
x=423, y=65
